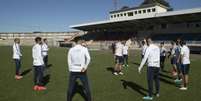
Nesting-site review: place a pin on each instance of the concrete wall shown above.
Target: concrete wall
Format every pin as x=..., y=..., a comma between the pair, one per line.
x=27, y=42
x=27, y=39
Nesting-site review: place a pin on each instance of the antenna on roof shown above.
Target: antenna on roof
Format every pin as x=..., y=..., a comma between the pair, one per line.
x=115, y=4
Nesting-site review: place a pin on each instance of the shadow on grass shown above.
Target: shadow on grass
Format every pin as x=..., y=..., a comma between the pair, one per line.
x=165, y=71
x=166, y=76
x=26, y=72
x=167, y=81
x=111, y=69
x=46, y=79
x=134, y=86
x=48, y=66
x=137, y=64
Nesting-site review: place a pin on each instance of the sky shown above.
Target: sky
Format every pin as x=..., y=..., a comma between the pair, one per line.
x=58, y=15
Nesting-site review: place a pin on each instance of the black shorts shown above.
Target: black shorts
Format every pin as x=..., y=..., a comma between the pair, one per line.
x=119, y=59
x=173, y=60
x=125, y=56
x=185, y=69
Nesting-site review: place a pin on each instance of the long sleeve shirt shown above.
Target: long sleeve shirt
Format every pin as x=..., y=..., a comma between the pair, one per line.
x=125, y=50
x=37, y=55
x=78, y=58
x=45, y=49
x=144, y=48
x=16, y=51
x=152, y=56
x=163, y=51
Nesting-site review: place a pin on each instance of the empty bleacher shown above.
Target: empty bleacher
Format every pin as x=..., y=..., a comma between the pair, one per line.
x=170, y=37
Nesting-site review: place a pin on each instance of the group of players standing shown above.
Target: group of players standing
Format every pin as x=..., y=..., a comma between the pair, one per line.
x=151, y=53
x=180, y=60
x=155, y=56
x=120, y=51
x=40, y=61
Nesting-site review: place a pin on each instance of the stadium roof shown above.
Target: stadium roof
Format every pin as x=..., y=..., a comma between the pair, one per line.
x=134, y=24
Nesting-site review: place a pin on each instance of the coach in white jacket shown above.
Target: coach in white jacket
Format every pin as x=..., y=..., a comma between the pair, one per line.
x=152, y=56
x=17, y=58
x=78, y=61
x=38, y=64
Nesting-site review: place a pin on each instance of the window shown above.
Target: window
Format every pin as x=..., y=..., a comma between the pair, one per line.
x=139, y=11
x=117, y=15
x=121, y=14
x=163, y=26
x=151, y=28
x=187, y=25
x=124, y=14
x=111, y=16
x=130, y=13
x=135, y=12
x=144, y=11
x=153, y=9
x=197, y=25
x=149, y=10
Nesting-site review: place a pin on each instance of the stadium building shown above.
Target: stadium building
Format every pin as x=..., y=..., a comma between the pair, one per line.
x=150, y=19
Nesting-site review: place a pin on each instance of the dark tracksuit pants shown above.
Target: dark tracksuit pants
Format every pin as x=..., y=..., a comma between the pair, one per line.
x=125, y=59
x=45, y=59
x=179, y=69
x=153, y=76
x=17, y=66
x=38, y=75
x=162, y=61
x=72, y=82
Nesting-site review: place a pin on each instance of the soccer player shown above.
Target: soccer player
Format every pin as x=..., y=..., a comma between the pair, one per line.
x=178, y=62
x=38, y=64
x=125, y=55
x=45, y=50
x=185, y=58
x=78, y=61
x=162, y=55
x=17, y=58
x=152, y=56
x=118, y=58
x=144, y=47
x=174, y=58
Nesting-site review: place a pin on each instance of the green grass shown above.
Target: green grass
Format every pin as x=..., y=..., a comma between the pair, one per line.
x=104, y=85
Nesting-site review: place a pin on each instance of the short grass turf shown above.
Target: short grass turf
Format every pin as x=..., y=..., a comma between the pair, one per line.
x=104, y=86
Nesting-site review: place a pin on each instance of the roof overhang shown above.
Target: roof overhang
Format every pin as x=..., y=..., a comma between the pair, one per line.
x=134, y=24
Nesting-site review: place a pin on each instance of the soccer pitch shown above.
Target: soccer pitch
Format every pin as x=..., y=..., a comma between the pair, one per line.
x=104, y=86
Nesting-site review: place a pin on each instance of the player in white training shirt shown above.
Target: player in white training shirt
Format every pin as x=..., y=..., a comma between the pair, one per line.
x=118, y=58
x=185, y=60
